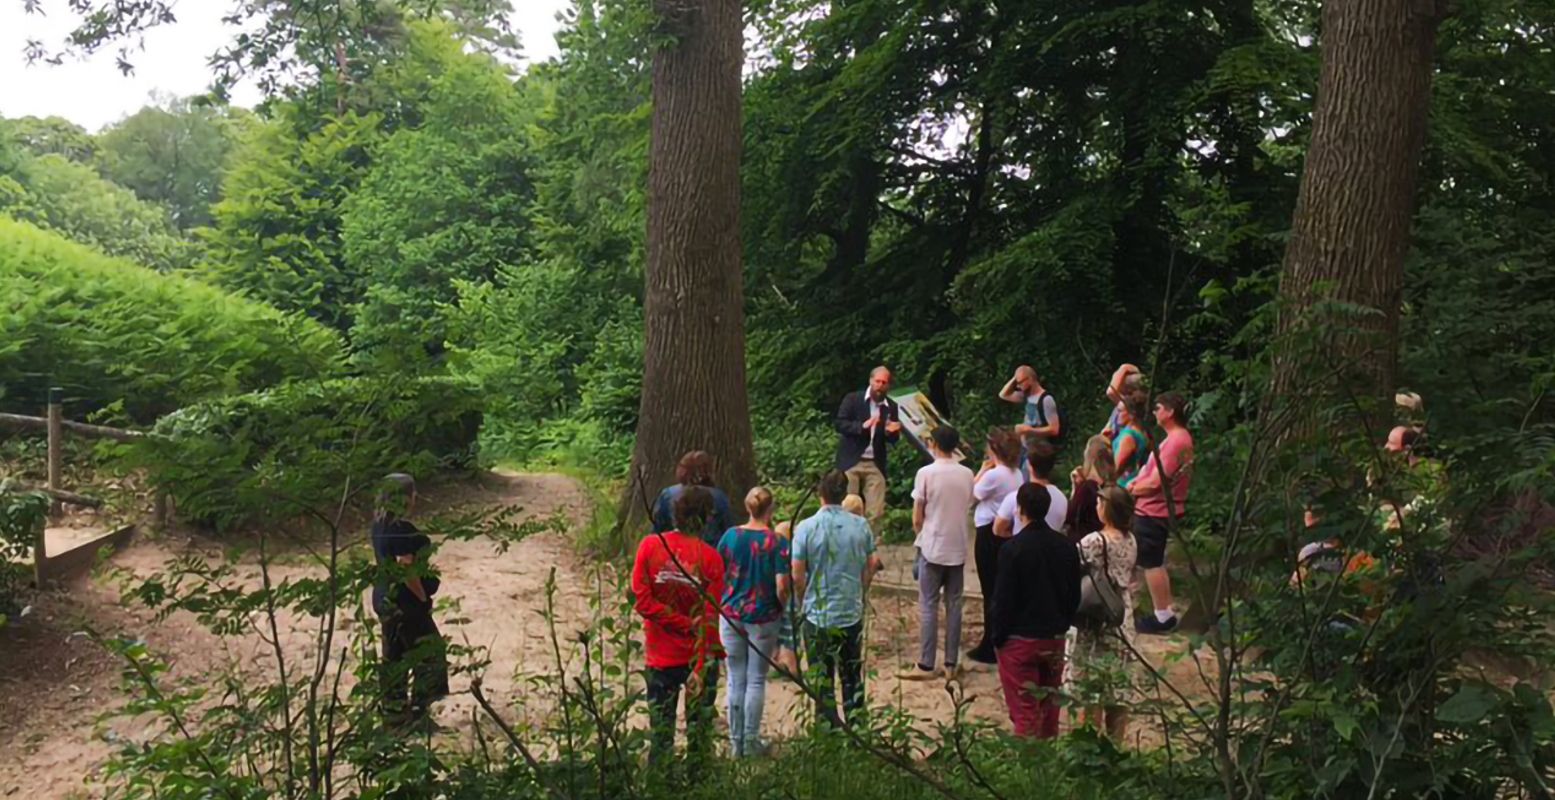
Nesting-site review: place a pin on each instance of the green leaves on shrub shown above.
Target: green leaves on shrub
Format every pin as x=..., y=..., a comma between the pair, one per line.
x=109, y=331
x=22, y=515
x=304, y=446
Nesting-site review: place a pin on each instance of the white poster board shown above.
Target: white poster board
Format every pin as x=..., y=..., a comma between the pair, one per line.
x=919, y=419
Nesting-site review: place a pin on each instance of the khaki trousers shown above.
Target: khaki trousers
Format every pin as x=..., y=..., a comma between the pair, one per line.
x=867, y=481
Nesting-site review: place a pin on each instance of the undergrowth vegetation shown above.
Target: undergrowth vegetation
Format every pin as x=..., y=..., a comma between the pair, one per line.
x=117, y=335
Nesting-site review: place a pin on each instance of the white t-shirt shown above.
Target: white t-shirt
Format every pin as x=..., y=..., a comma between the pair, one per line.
x=945, y=487
x=1055, y=512
x=991, y=490
x=875, y=410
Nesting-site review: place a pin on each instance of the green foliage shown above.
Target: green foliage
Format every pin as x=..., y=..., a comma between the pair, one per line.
x=173, y=153
x=116, y=334
x=556, y=342
x=52, y=191
x=22, y=517
x=276, y=236
x=445, y=201
x=275, y=454
x=52, y=135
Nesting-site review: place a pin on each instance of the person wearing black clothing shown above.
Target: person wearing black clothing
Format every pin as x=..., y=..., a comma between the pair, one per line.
x=868, y=422
x=1035, y=598
x=402, y=598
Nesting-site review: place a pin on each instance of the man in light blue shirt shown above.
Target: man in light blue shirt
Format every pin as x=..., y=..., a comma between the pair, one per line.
x=834, y=560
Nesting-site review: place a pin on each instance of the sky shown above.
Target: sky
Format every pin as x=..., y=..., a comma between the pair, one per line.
x=92, y=93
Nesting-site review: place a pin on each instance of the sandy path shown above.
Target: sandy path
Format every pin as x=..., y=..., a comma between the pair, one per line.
x=57, y=688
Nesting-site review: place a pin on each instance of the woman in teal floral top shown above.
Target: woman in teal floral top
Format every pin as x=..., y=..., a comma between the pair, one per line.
x=756, y=592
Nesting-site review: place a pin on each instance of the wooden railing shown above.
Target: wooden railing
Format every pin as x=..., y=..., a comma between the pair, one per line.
x=56, y=426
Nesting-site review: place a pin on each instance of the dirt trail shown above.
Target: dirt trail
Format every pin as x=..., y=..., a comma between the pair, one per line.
x=58, y=689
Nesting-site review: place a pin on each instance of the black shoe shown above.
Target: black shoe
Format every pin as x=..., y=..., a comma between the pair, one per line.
x=983, y=655
x=1154, y=626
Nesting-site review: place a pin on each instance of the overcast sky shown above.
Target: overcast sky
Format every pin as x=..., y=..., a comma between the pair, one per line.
x=92, y=93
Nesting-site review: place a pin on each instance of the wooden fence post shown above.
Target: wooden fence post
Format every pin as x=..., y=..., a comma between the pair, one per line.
x=56, y=443
x=40, y=553
x=159, y=511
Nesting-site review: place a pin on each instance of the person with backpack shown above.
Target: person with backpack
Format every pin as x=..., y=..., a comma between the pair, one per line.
x=1042, y=415
x=1098, y=653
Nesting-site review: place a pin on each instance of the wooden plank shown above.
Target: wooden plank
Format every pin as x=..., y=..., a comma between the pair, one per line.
x=68, y=497
x=79, y=560
x=24, y=422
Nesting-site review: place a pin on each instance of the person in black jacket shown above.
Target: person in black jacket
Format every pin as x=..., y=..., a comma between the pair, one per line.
x=402, y=599
x=867, y=424
x=1035, y=598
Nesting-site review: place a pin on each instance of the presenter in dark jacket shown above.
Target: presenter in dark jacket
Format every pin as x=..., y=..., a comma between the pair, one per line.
x=868, y=423
x=1035, y=597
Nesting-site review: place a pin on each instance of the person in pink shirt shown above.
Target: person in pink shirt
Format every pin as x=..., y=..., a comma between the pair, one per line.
x=1160, y=499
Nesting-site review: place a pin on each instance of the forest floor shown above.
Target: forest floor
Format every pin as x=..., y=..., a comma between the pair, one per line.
x=60, y=693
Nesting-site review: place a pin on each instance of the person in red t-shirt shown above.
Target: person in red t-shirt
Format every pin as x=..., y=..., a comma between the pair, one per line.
x=677, y=580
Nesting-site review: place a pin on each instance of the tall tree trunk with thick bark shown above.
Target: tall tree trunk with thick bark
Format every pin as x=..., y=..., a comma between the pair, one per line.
x=694, y=395
x=1342, y=279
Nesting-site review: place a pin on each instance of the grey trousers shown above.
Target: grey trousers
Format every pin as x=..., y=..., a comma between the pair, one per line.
x=932, y=580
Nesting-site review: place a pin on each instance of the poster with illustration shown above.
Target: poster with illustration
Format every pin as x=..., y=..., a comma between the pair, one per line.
x=919, y=419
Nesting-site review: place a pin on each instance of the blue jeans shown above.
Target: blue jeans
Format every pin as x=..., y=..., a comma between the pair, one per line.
x=747, y=688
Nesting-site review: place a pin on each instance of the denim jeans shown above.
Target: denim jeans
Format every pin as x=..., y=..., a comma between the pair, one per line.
x=747, y=687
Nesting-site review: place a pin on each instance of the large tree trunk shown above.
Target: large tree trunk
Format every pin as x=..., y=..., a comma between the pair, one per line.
x=694, y=394
x=1351, y=227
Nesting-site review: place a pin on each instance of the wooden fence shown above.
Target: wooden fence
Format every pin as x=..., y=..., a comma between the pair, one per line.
x=76, y=560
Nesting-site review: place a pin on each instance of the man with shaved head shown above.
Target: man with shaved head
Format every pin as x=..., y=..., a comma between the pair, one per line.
x=867, y=424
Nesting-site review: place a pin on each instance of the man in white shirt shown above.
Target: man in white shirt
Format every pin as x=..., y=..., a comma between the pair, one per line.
x=1040, y=457
x=942, y=498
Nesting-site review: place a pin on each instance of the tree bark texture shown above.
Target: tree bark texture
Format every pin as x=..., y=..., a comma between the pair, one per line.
x=694, y=394
x=1350, y=232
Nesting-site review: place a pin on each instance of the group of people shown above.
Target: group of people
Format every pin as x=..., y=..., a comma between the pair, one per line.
x=753, y=594
x=707, y=593
x=749, y=595
x=1033, y=543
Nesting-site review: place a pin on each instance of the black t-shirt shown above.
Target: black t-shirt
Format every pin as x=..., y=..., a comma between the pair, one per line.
x=392, y=538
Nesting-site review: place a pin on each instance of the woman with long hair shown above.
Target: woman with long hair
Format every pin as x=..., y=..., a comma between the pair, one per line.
x=1085, y=483
x=694, y=469
x=415, y=661
x=756, y=591
x=1098, y=657
x=1130, y=445
x=997, y=479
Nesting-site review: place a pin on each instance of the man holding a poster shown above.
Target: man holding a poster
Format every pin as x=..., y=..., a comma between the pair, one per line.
x=868, y=422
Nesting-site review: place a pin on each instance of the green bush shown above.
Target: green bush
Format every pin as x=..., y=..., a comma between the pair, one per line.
x=109, y=331
x=22, y=515
x=61, y=195
x=275, y=453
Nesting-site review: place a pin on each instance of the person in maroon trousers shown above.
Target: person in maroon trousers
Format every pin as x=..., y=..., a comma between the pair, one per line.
x=1035, y=598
